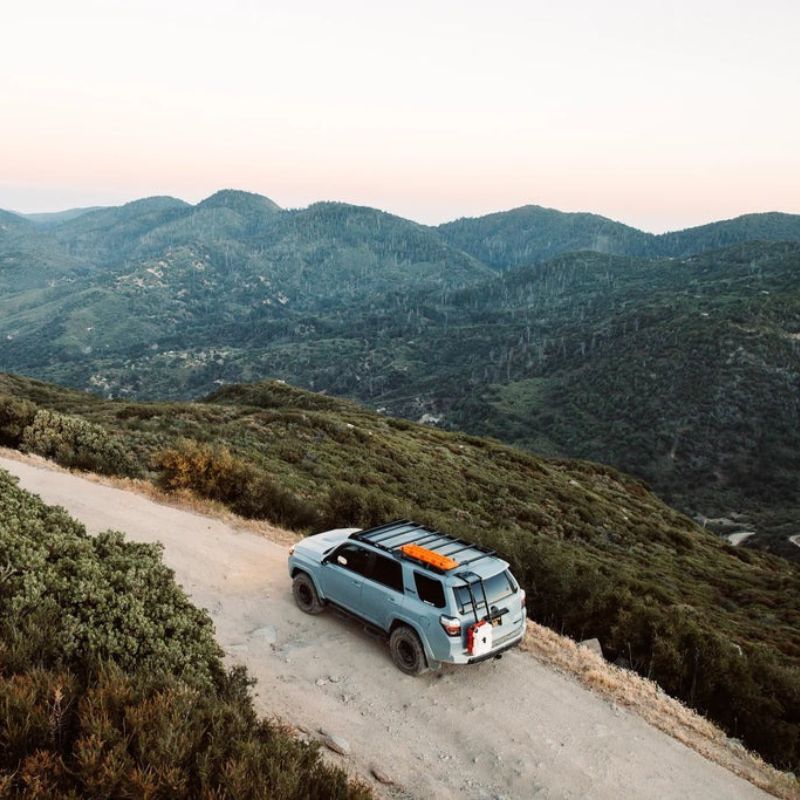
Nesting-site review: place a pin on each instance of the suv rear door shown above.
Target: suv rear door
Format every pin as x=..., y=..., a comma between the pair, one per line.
x=383, y=592
x=502, y=594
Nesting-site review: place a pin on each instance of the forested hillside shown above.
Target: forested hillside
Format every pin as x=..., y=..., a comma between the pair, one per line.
x=686, y=373
x=682, y=370
x=532, y=234
x=598, y=554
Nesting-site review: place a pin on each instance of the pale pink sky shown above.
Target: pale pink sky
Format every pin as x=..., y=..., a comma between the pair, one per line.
x=660, y=114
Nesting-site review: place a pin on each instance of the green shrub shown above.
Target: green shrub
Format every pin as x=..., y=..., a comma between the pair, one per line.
x=97, y=598
x=111, y=684
x=214, y=473
x=15, y=415
x=349, y=505
x=124, y=735
x=73, y=442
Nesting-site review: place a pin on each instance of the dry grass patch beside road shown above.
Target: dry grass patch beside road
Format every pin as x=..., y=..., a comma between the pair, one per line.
x=646, y=699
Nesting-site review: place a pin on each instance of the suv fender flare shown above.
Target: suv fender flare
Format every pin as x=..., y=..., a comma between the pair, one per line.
x=398, y=621
x=297, y=569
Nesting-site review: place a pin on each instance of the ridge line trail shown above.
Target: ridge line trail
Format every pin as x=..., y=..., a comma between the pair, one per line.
x=511, y=728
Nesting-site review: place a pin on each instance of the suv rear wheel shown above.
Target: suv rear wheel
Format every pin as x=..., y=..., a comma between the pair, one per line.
x=305, y=594
x=407, y=652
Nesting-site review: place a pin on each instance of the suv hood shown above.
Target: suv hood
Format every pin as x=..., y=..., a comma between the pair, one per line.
x=316, y=546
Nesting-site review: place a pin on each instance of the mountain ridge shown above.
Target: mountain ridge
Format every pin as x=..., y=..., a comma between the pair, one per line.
x=513, y=238
x=165, y=299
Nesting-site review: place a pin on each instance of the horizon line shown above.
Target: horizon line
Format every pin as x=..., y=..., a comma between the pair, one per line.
x=99, y=207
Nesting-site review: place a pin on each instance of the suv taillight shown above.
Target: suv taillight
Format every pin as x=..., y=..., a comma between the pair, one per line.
x=522, y=597
x=452, y=626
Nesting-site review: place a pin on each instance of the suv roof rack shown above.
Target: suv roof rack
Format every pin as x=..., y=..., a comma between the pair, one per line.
x=395, y=536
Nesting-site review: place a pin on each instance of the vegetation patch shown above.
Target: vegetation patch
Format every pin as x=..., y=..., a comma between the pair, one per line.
x=111, y=683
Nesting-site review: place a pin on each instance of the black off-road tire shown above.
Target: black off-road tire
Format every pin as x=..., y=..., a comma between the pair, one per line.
x=407, y=651
x=305, y=594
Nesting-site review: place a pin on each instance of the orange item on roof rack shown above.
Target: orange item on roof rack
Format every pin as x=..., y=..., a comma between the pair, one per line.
x=429, y=557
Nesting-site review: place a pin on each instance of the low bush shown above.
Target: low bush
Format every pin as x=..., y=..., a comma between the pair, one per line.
x=74, y=442
x=214, y=473
x=15, y=415
x=111, y=684
x=350, y=505
x=97, y=598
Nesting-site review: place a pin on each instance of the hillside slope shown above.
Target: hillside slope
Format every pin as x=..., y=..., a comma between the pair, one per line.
x=532, y=234
x=683, y=372
x=158, y=276
x=598, y=554
x=448, y=736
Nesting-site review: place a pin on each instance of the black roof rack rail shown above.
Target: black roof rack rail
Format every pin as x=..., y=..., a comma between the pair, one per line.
x=408, y=532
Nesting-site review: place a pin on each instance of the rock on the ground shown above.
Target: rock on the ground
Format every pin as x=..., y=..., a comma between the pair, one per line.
x=593, y=645
x=335, y=743
x=380, y=775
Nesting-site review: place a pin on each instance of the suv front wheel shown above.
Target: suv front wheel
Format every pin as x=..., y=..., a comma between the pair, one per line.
x=305, y=594
x=407, y=652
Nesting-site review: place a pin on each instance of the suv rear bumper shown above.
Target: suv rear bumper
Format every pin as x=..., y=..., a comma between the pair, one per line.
x=458, y=655
x=500, y=650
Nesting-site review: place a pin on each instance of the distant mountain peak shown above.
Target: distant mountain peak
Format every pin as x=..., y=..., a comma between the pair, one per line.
x=239, y=200
x=155, y=203
x=49, y=218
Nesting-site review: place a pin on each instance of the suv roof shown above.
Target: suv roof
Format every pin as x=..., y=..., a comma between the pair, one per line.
x=395, y=537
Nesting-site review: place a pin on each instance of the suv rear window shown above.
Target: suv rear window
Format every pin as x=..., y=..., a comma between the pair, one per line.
x=498, y=587
x=429, y=590
x=388, y=572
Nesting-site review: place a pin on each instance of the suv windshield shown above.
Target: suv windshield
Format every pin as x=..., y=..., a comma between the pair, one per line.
x=498, y=587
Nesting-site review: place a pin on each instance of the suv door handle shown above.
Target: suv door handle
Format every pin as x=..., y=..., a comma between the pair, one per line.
x=392, y=598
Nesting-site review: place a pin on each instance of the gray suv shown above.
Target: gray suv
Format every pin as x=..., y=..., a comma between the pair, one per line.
x=436, y=597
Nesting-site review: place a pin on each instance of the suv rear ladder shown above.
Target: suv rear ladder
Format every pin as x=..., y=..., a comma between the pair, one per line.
x=466, y=577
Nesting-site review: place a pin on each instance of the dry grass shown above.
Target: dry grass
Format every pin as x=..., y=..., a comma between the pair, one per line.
x=648, y=701
x=620, y=686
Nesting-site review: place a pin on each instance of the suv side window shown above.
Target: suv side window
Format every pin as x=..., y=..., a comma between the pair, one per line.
x=356, y=558
x=429, y=590
x=388, y=572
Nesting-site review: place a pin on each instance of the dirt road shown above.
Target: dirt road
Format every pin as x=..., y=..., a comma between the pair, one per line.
x=503, y=729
